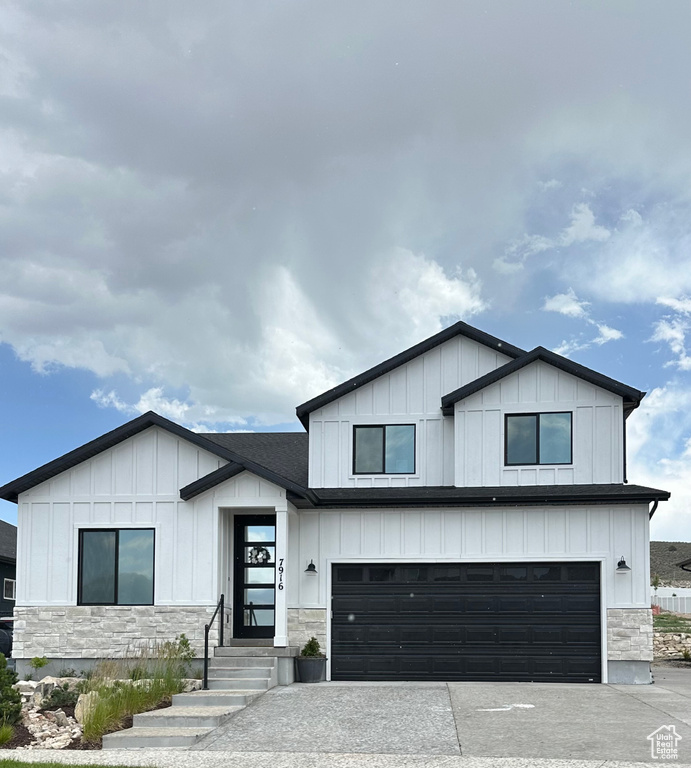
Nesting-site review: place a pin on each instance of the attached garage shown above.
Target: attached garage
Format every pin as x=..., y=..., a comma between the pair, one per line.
x=519, y=621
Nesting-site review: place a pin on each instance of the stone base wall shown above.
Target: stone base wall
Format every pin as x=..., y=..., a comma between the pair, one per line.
x=97, y=632
x=671, y=645
x=629, y=634
x=304, y=623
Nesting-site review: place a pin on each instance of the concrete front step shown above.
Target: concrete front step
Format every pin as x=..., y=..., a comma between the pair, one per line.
x=215, y=698
x=248, y=652
x=248, y=664
x=238, y=684
x=241, y=681
x=154, y=738
x=186, y=717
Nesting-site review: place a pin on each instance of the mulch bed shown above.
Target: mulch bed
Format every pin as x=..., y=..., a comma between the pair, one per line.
x=679, y=663
x=22, y=737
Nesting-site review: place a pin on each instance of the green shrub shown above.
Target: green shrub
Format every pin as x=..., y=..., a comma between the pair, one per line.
x=10, y=700
x=38, y=662
x=311, y=648
x=68, y=672
x=61, y=696
x=686, y=654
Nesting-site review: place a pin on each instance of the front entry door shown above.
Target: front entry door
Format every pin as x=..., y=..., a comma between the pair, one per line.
x=254, y=576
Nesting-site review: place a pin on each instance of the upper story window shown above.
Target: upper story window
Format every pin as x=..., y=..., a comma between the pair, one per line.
x=116, y=567
x=384, y=450
x=538, y=438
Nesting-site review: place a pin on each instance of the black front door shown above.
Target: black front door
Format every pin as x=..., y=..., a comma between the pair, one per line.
x=254, y=576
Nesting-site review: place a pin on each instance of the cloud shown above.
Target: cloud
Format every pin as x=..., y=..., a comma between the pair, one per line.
x=569, y=305
x=582, y=229
x=659, y=456
x=566, y=304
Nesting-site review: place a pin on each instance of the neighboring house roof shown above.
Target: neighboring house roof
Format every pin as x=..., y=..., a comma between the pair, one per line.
x=11, y=491
x=8, y=542
x=632, y=397
x=457, y=329
x=492, y=496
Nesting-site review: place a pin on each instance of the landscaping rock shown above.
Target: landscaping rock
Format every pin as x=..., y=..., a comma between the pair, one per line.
x=51, y=730
x=85, y=703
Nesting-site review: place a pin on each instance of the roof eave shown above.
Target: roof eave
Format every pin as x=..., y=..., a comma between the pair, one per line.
x=631, y=397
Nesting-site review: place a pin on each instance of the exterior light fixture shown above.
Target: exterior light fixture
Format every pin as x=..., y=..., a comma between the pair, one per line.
x=621, y=566
x=311, y=568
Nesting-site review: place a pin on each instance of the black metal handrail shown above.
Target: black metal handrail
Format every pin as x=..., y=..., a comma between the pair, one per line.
x=207, y=627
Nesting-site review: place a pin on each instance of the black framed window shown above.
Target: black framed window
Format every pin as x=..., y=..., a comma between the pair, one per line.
x=116, y=566
x=10, y=589
x=387, y=449
x=538, y=438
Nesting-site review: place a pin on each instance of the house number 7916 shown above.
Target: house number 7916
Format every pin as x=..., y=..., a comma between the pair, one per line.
x=280, y=573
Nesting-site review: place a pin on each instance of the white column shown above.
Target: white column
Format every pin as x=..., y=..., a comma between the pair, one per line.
x=281, y=616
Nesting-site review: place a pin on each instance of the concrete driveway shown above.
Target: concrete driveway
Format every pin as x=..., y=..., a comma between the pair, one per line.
x=480, y=720
x=433, y=725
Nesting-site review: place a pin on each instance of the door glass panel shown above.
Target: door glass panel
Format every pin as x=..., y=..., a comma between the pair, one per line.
x=547, y=573
x=263, y=617
x=258, y=554
x=260, y=533
x=259, y=596
x=259, y=575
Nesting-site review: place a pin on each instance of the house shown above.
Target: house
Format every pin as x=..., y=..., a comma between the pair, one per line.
x=458, y=512
x=8, y=561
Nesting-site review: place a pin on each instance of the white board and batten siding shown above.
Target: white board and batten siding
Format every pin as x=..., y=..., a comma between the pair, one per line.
x=539, y=388
x=134, y=484
x=410, y=394
x=555, y=534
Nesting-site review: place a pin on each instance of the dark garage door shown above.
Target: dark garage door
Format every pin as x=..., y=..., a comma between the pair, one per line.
x=466, y=621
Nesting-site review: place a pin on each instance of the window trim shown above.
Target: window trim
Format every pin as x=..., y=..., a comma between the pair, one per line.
x=13, y=582
x=384, y=427
x=116, y=531
x=536, y=463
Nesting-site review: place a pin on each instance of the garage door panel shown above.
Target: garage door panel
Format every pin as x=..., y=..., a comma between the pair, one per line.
x=478, y=621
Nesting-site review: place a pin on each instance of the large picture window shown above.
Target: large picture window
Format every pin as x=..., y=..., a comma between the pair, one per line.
x=538, y=438
x=116, y=567
x=384, y=449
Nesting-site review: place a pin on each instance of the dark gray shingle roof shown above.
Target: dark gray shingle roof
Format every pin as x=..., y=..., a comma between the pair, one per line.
x=285, y=453
x=8, y=541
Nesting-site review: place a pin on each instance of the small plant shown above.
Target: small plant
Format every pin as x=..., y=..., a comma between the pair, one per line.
x=61, y=696
x=28, y=676
x=138, y=672
x=311, y=648
x=10, y=700
x=686, y=654
x=68, y=672
x=38, y=662
x=655, y=581
x=6, y=733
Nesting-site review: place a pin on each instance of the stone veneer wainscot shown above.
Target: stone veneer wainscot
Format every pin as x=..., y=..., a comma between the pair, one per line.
x=98, y=632
x=304, y=623
x=629, y=634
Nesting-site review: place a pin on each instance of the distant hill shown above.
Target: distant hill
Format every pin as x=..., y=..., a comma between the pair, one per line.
x=663, y=558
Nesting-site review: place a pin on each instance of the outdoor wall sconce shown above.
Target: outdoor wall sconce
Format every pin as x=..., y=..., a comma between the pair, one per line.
x=621, y=566
x=311, y=568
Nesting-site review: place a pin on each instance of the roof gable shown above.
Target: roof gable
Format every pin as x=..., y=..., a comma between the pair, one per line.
x=632, y=397
x=11, y=491
x=460, y=328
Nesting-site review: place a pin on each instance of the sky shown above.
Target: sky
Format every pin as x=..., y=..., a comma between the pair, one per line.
x=218, y=210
